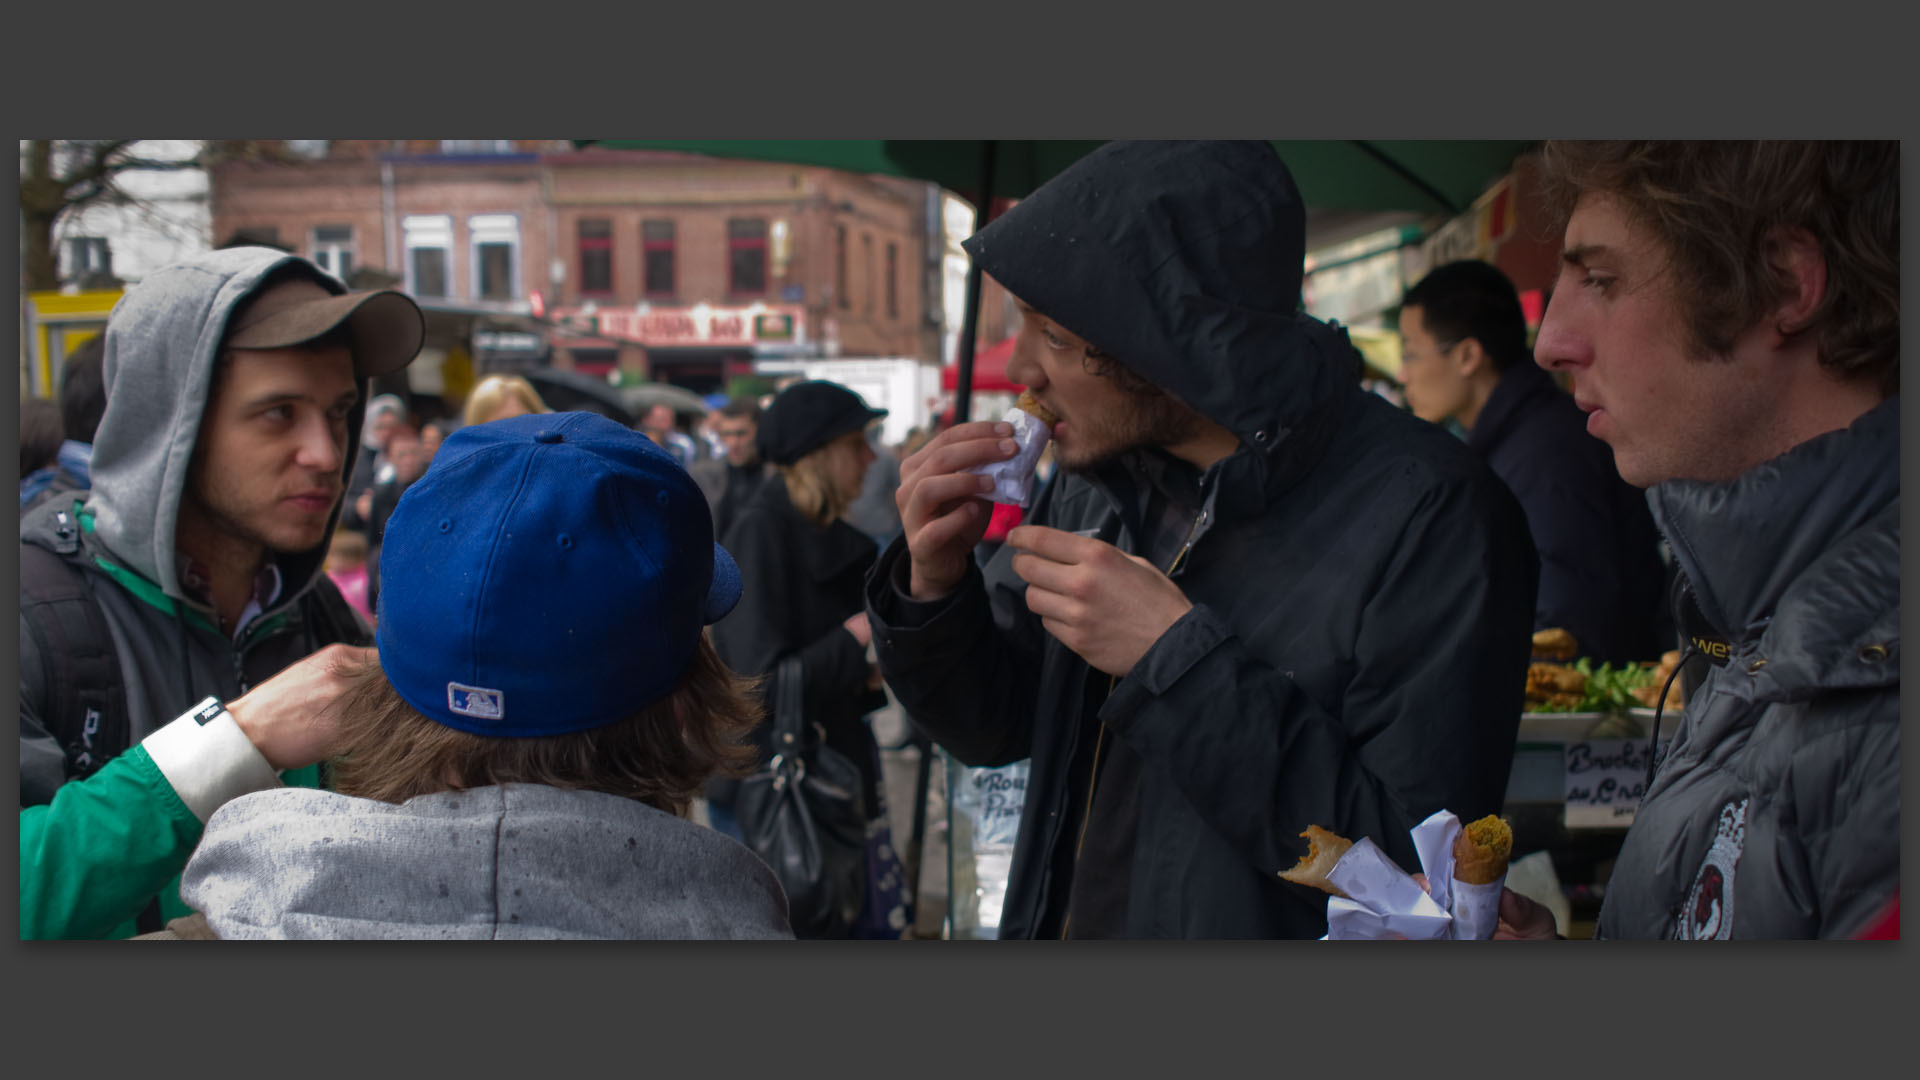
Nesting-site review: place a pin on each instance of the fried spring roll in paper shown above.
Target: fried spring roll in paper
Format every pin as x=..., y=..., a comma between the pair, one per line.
x=1481, y=851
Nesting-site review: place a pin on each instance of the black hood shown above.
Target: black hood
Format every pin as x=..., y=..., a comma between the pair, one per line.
x=1183, y=261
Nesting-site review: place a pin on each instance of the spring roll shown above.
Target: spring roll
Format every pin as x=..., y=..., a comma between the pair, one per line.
x=1480, y=855
x=1481, y=851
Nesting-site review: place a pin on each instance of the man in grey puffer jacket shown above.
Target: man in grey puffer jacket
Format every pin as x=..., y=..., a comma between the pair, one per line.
x=1728, y=316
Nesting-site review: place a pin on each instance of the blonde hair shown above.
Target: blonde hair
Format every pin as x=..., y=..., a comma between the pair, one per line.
x=810, y=487
x=660, y=756
x=493, y=393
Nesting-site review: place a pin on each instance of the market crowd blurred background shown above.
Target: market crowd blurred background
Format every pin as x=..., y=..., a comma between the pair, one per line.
x=641, y=279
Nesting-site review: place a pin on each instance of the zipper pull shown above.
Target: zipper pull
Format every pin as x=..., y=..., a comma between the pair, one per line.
x=1180, y=558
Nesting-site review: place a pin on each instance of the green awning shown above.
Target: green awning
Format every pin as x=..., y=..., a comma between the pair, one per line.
x=1423, y=176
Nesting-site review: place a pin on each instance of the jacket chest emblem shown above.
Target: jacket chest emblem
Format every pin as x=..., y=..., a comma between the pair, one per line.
x=1708, y=914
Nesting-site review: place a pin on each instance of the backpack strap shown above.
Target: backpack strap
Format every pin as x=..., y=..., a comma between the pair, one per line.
x=86, y=703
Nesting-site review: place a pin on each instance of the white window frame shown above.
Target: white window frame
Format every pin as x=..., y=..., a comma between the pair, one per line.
x=326, y=253
x=476, y=146
x=79, y=253
x=493, y=229
x=428, y=231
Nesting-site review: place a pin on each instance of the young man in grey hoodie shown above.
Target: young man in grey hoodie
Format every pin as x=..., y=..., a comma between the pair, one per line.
x=519, y=761
x=236, y=384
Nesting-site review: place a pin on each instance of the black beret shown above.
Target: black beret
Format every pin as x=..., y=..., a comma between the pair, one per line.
x=807, y=416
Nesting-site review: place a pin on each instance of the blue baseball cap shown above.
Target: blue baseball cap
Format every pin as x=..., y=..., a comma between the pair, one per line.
x=549, y=574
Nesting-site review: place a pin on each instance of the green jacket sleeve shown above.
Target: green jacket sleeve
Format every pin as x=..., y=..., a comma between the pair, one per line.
x=93, y=858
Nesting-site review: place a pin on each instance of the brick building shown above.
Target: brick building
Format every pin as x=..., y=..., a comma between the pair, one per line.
x=681, y=268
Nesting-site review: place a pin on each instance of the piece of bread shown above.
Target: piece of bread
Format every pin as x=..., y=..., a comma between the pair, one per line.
x=1324, y=850
x=1554, y=643
x=1030, y=404
x=1481, y=851
x=1547, y=680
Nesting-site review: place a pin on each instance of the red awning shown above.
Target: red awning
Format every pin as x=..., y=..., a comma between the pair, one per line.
x=989, y=370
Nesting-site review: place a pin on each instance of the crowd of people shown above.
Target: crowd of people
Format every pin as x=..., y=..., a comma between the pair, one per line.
x=294, y=664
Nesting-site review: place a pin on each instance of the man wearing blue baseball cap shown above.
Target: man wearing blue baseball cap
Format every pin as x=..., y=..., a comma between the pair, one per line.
x=519, y=762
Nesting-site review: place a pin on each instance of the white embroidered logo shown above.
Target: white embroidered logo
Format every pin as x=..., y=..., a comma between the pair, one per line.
x=476, y=701
x=1708, y=915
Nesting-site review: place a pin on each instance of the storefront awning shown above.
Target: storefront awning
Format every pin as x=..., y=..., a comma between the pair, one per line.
x=989, y=370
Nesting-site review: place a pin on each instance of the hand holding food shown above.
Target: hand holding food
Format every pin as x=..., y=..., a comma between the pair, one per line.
x=1456, y=897
x=941, y=501
x=1032, y=426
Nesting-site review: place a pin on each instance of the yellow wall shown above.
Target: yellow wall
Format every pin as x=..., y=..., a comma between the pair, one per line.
x=57, y=323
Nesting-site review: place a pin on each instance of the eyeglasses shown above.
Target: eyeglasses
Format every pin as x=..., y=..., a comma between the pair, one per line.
x=1439, y=350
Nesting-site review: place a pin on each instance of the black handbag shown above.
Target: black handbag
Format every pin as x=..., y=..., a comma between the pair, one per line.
x=805, y=814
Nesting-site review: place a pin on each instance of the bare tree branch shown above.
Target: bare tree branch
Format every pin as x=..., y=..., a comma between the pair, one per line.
x=95, y=162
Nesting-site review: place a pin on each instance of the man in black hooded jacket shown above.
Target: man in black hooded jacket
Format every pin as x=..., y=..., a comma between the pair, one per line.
x=1257, y=599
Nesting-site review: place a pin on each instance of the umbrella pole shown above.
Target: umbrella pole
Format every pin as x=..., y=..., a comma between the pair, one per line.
x=970, y=322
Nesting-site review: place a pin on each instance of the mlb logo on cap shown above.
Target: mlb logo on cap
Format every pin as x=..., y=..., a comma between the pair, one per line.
x=476, y=701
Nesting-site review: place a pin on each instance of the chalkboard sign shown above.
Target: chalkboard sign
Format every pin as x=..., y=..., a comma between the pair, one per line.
x=1605, y=780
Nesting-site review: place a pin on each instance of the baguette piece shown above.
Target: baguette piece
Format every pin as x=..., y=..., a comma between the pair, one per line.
x=1324, y=850
x=1481, y=851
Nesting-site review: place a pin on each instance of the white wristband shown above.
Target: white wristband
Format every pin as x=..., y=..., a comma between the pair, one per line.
x=208, y=759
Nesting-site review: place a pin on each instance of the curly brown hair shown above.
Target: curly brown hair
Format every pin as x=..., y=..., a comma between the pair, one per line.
x=1715, y=206
x=1104, y=366
x=660, y=756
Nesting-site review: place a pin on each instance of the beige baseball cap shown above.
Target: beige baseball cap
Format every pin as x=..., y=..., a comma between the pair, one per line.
x=388, y=328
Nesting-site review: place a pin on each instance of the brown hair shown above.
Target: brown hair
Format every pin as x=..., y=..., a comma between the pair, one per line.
x=660, y=756
x=40, y=433
x=1103, y=365
x=1714, y=205
x=742, y=408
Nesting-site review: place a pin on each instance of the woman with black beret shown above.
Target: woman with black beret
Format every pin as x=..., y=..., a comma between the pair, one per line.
x=803, y=568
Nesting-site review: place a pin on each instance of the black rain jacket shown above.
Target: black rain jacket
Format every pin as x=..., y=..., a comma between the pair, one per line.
x=1363, y=584
x=799, y=583
x=1601, y=578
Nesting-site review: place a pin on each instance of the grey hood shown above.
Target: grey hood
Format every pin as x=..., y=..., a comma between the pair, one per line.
x=162, y=342
x=514, y=861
